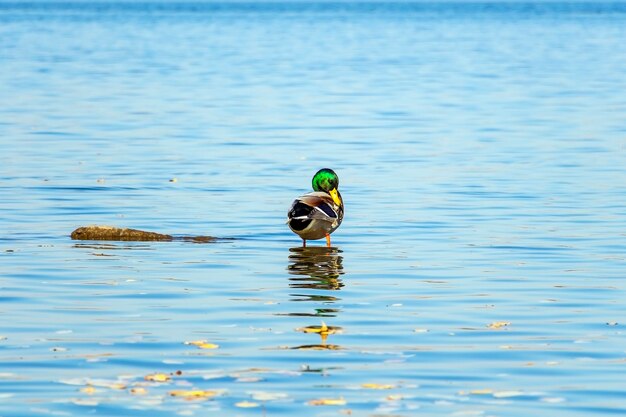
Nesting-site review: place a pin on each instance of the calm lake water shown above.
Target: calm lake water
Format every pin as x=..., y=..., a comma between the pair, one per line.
x=480, y=267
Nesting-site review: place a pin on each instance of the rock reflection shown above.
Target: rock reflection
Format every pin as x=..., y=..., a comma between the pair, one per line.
x=112, y=246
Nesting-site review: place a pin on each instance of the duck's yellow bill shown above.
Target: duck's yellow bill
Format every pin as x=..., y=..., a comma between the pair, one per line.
x=335, y=195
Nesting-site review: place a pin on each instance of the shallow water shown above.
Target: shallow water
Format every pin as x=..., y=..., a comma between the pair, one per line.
x=479, y=269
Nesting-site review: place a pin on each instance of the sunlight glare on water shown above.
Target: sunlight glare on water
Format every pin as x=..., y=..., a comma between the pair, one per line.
x=478, y=271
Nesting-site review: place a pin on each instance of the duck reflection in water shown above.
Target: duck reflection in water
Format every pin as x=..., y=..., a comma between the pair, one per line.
x=316, y=268
x=316, y=271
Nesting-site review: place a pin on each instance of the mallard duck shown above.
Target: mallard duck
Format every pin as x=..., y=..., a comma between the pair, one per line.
x=316, y=215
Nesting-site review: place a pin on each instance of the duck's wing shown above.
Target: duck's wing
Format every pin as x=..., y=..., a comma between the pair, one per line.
x=316, y=205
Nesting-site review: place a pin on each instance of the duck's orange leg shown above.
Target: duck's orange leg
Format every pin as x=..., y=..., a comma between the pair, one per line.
x=328, y=241
x=304, y=243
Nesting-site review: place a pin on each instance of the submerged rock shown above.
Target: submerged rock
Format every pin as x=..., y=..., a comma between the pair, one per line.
x=123, y=234
x=116, y=233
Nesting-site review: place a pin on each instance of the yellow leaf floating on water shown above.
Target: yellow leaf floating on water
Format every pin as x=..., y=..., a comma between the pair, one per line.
x=138, y=391
x=377, y=386
x=203, y=344
x=246, y=404
x=322, y=330
x=193, y=394
x=89, y=390
x=328, y=401
x=481, y=392
x=499, y=324
x=208, y=346
x=157, y=378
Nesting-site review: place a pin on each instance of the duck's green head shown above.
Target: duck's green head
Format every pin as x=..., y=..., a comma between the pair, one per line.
x=326, y=180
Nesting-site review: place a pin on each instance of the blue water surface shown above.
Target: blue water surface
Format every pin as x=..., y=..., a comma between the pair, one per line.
x=479, y=270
